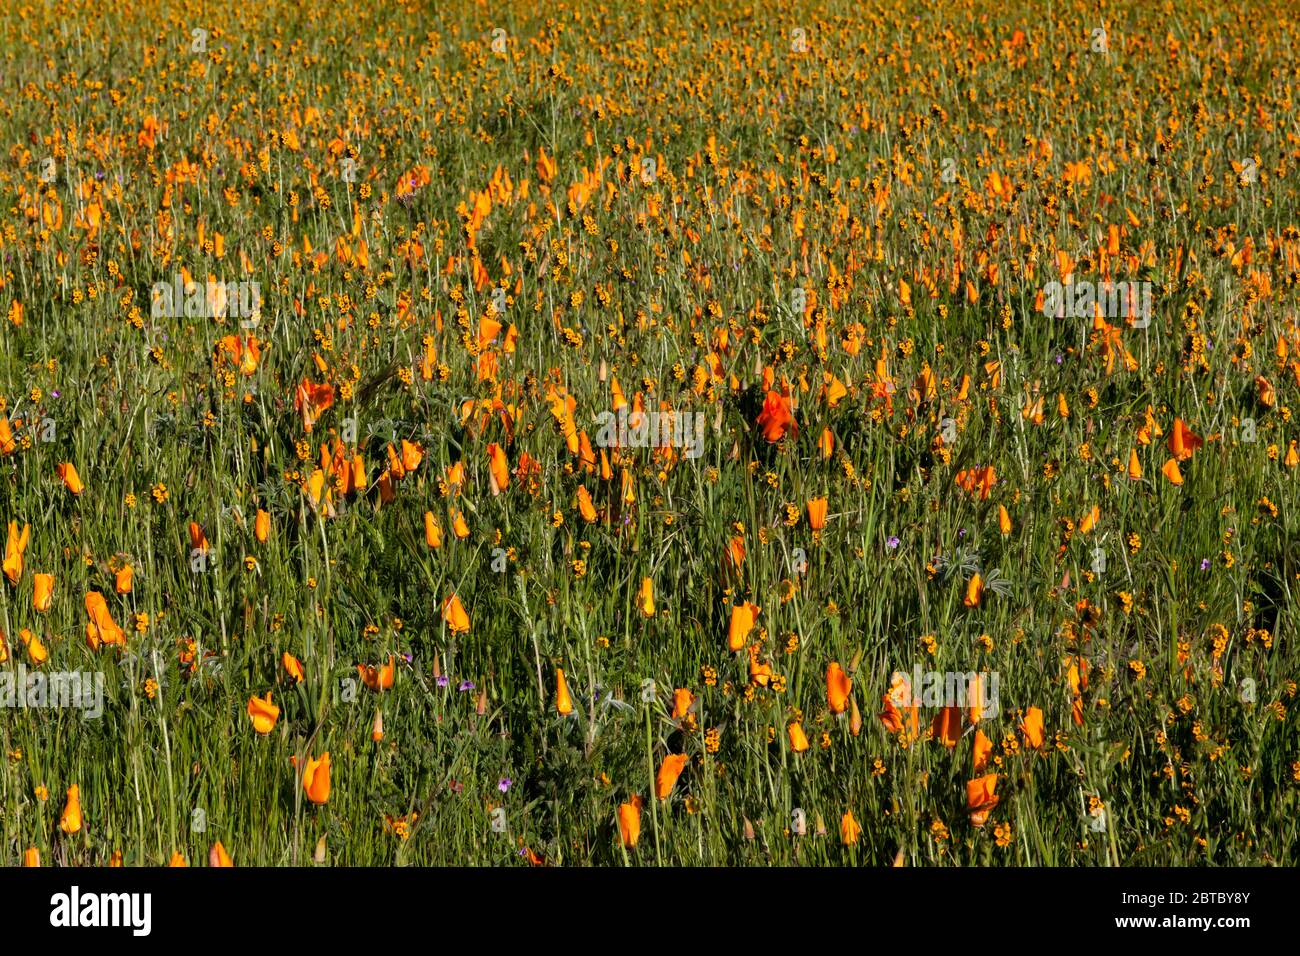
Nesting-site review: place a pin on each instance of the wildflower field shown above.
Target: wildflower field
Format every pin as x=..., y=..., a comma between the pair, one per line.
x=625, y=434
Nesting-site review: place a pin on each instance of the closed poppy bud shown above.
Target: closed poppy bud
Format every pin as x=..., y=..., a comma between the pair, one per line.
x=377, y=726
x=629, y=822
x=123, y=580
x=981, y=799
x=70, y=822
x=669, y=771
x=218, y=856
x=1032, y=728
x=647, y=597
x=316, y=779
x=263, y=713
x=742, y=622
x=585, y=507
x=177, y=860
x=292, y=666
x=682, y=701
x=974, y=591
x=563, y=702
x=849, y=829
x=838, y=686
x=42, y=592
x=826, y=444
x=31, y=857
x=1134, y=466
x=455, y=616
x=71, y=480
x=855, y=718
x=262, y=526
x=798, y=739
x=432, y=531
x=1004, y=520
x=817, y=513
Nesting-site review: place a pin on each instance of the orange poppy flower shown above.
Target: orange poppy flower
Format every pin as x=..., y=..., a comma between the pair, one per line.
x=1183, y=441
x=15, y=545
x=316, y=779
x=262, y=526
x=817, y=513
x=292, y=666
x=982, y=749
x=1172, y=472
x=101, y=629
x=218, y=856
x=455, y=615
x=31, y=857
x=629, y=821
x=1032, y=728
x=798, y=739
x=70, y=821
x=379, y=678
x=499, y=467
x=647, y=597
x=850, y=831
x=838, y=686
x=946, y=726
x=585, y=507
x=71, y=480
x=263, y=713
x=669, y=771
x=974, y=591
x=742, y=622
x=432, y=531
x=123, y=579
x=563, y=702
x=42, y=592
x=981, y=798
x=777, y=418
x=682, y=701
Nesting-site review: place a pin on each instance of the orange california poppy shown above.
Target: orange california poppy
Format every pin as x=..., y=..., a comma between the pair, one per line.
x=817, y=513
x=838, y=686
x=629, y=821
x=798, y=739
x=499, y=467
x=123, y=579
x=432, y=531
x=982, y=749
x=563, y=702
x=946, y=726
x=218, y=856
x=455, y=615
x=669, y=771
x=70, y=821
x=15, y=545
x=777, y=417
x=1183, y=441
x=742, y=622
x=264, y=714
x=71, y=480
x=981, y=798
x=1032, y=728
x=316, y=779
x=42, y=592
x=849, y=828
x=647, y=598
x=379, y=678
x=292, y=666
x=262, y=526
